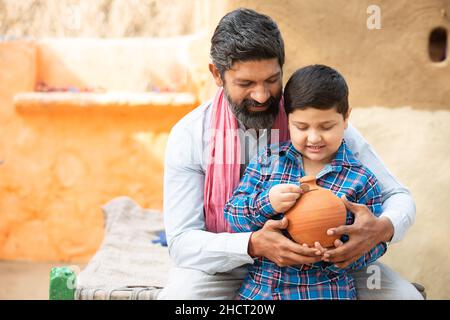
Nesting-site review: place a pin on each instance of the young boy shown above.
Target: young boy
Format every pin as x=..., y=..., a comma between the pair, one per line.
x=316, y=102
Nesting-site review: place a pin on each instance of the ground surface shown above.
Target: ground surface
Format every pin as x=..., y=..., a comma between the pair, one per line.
x=25, y=280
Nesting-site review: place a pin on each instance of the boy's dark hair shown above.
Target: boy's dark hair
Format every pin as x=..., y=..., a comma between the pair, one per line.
x=316, y=86
x=245, y=35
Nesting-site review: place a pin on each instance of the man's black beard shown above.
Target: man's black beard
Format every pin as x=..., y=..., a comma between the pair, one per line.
x=255, y=120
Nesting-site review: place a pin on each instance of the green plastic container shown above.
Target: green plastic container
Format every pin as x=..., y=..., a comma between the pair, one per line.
x=62, y=283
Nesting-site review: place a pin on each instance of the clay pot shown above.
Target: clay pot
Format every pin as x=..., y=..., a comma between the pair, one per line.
x=315, y=212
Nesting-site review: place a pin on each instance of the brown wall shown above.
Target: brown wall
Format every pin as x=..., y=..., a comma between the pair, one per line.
x=388, y=67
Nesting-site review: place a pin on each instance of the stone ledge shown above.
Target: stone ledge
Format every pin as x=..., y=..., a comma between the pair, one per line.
x=30, y=102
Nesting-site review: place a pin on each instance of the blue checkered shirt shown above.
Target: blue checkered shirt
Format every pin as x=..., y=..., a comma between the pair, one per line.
x=249, y=208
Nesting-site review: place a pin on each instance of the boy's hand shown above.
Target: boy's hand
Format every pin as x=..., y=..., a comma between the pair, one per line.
x=283, y=196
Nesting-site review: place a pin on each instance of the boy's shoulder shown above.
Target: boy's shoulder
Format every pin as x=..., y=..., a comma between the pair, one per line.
x=353, y=166
x=345, y=157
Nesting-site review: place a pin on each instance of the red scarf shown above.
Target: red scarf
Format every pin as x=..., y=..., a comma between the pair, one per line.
x=223, y=167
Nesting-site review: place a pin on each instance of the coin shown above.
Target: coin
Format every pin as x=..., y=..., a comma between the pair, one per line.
x=304, y=187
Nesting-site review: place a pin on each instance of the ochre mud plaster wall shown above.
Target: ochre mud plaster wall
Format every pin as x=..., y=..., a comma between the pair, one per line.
x=61, y=159
x=389, y=67
x=414, y=146
x=126, y=64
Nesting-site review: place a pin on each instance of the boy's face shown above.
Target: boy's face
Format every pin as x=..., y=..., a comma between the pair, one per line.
x=317, y=134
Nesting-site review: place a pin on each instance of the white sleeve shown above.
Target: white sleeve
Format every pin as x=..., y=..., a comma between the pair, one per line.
x=398, y=204
x=190, y=246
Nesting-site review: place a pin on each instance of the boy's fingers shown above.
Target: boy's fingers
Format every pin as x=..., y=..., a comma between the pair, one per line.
x=320, y=250
x=318, y=253
x=286, y=197
x=319, y=247
x=291, y=188
x=302, y=250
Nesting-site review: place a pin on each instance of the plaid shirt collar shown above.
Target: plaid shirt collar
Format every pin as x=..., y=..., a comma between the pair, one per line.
x=342, y=158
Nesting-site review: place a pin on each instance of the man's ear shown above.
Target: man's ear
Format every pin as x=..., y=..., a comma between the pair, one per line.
x=347, y=117
x=216, y=75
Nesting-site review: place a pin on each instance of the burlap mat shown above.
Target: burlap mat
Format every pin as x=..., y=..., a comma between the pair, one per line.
x=127, y=265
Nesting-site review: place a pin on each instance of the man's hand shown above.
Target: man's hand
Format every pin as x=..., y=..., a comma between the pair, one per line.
x=269, y=242
x=283, y=196
x=364, y=234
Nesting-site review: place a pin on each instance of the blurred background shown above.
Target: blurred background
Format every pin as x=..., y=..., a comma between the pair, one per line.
x=89, y=91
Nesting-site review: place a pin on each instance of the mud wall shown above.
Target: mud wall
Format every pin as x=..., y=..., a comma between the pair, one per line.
x=64, y=154
x=389, y=66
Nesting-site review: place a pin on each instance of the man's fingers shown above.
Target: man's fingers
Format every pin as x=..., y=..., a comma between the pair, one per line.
x=338, y=243
x=351, y=206
x=342, y=253
x=295, y=259
x=333, y=253
x=292, y=258
x=346, y=263
x=348, y=229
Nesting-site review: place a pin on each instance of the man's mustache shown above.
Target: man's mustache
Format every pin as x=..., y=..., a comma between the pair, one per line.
x=252, y=103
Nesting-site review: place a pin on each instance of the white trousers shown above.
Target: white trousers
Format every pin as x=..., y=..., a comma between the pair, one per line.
x=376, y=282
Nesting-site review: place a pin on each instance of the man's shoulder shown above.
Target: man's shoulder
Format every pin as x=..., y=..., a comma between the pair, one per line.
x=184, y=144
x=193, y=119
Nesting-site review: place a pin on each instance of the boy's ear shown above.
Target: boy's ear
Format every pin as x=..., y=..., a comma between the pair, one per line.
x=347, y=117
x=216, y=75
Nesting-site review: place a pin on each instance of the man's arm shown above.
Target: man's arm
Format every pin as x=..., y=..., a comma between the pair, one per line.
x=399, y=210
x=190, y=246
